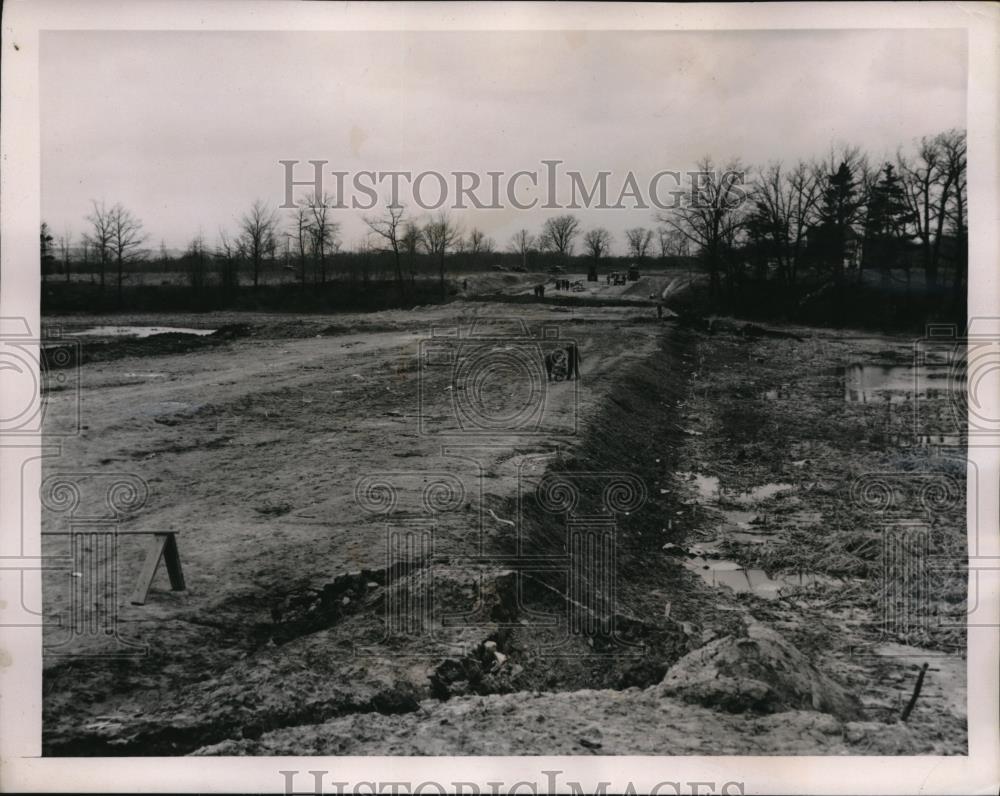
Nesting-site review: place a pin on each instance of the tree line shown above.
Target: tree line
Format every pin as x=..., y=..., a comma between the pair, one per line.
x=846, y=214
x=829, y=220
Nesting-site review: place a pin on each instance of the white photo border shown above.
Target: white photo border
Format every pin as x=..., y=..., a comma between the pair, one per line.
x=21, y=766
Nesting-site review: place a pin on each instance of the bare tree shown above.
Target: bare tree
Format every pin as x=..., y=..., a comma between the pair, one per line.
x=782, y=210
x=438, y=236
x=302, y=233
x=325, y=231
x=672, y=243
x=127, y=238
x=227, y=255
x=804, y=189
x=366, y=250
x=389, y=227
x=65, y=242
x=85, y=256
x=953, y=143
x=258, y=236
x=598, y=242
x=196, y=262
x=663, y=239
x=100, y=236
x=558, y=234
x=931, y=182
x=768, y=221
x=410, y=243
x=711, y=213
x=479, y=244
x=639, y=240
x=921, y=178
x=522, y=243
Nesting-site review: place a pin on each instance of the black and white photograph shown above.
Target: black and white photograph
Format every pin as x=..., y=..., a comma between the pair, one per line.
x=456, y=383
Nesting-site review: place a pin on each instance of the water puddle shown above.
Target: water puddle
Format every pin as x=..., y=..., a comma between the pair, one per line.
x=740, y=519
x=748, y=537
x=138, y=331
x=710, y=489
x=899, y=383
x=718, y=572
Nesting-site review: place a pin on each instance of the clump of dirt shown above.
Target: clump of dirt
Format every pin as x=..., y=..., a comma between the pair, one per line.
x=484, y=670
x=303, y=612
x=758, y=672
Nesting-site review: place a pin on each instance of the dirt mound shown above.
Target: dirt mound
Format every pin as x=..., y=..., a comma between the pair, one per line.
x=486, y=284
x=645, y=287
x=761, y=673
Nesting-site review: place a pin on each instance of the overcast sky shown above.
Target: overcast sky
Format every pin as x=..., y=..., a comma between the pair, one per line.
x=186, y=129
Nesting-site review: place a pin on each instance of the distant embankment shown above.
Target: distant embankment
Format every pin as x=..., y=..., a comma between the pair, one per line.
x=824, y=304
x=329, y=297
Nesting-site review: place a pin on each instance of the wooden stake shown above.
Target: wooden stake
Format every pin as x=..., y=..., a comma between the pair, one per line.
x=916, y=693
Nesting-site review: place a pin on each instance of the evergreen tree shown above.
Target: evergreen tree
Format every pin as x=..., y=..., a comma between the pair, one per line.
x=887, y=227
x=841, y=203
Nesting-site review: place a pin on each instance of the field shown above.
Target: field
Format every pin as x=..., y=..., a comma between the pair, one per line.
x=297, y=457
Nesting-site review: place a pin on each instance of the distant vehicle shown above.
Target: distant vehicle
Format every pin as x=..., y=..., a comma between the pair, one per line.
x=498, y=268
x=557, y=269
x=519, y=268
x=578, y=286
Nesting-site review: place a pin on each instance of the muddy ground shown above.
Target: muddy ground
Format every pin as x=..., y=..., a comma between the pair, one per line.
x=297, y=458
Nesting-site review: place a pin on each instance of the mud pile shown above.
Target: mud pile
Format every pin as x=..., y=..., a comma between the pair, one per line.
x=759, y=672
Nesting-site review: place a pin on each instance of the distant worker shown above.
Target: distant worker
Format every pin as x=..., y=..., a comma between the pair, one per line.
x=659, y=310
